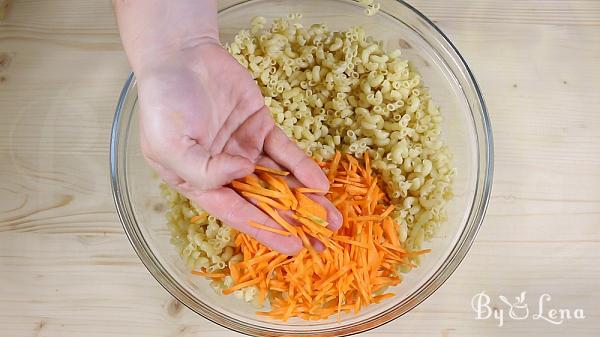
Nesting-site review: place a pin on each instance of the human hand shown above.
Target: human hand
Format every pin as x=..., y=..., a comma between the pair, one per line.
x=203, y=123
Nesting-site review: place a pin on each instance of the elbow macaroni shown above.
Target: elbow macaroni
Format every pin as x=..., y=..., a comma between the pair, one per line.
x=366, y=100
x=335, y=90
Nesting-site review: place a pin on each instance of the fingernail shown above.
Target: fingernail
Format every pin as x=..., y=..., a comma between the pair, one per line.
x=335, y=218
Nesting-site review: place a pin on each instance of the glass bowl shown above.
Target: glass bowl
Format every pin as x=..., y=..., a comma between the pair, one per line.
x=466, y=130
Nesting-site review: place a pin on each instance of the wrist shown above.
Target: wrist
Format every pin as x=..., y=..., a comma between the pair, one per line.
x=155, y=31
x=191, y=59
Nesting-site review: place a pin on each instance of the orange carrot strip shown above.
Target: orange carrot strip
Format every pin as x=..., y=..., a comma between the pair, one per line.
x=313, y=227
x=233, y=271
x=345, y=239
x=367, y=168
x=240, y=186
x=262, y=294
x=200, y=217
x=252, y=180
x=266, y=200
x=267, y=228
x=311, y=190
x=209, y=275
x=354, y=190
x=256, y=260
x=340, y=199
x=350, y=181
x=419, y=252
x=240, y=286
x=334, y=166
x=364, y=218
x=390, y=231
x=288, y=192
x=380, y=298
x=273, y=214
x=387, y=211
x=308, y=206
x=279, y=185
x=270, y=170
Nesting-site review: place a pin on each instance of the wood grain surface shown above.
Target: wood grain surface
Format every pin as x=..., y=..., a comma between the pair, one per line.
x=67, y=269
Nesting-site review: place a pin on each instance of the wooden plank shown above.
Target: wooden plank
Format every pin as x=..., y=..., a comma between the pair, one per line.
x=66, y=268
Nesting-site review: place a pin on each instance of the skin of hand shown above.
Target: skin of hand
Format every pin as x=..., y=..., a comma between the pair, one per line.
x=203, y=122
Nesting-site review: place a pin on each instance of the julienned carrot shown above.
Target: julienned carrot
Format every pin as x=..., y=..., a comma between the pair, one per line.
x=390, y=230
x=312, y=227
x=241, y=285
x=200, y=217
x=419, y=252
x=334, y=166
x=209, y=275
x=267, y=228
x=271, y=170
x=349, y=240
x=273, y=214
x=266, y=200
x=279, y=185
x=359, y=261
x=311, y=190
x=355, y=190
x=364, y=218
x=340, y=199
x=240, y=186
x=307, y=206
x=387, y=211
x=252, y=180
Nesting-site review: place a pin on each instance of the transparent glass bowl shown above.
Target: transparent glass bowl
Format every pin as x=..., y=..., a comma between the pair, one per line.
x=466, y=130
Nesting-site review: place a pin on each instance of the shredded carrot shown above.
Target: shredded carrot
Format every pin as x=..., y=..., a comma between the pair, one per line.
x=266, y=200
x=240, y=186
x=419, y=252
x=241, y=285
x=307, y=206
x=252, y=180
x=200, y=217
x=333, y=168
x=359, y=262
x=277, y=184
x=355, y=190
x=366, y=218
x=340, y=199
x=311, y=190
x=267, y=228
x=380, y=298
x=391, y=232
x=209, y=275
x=387, y=211
x=313, y=227
x=273, y=214
x=270, y=170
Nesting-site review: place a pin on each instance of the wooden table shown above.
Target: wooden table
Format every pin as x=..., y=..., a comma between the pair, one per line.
x=66, y=268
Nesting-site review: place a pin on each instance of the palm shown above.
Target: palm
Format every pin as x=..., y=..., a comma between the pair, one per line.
x=204, y=124
x=211, y=104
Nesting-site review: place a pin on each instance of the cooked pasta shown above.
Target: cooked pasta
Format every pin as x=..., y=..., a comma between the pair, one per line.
x=204, y=242
x=365, y=99
x=328, y=91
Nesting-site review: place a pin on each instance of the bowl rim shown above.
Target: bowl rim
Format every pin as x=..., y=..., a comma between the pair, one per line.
x=440, y=275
